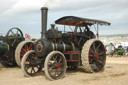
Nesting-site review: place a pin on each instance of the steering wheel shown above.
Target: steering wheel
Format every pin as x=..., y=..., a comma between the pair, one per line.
x=14, y=37
x=87, y=31
x=80, y=36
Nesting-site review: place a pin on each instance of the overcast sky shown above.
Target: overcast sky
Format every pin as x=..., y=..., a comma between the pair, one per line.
x=26, y=14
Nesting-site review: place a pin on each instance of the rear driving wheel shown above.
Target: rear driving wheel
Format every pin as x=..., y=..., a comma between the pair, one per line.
x=55, y=65
x=93, y=56
x=21, y=49
x=30, y=65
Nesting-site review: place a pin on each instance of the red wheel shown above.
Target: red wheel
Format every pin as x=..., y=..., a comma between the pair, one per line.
x=26, y=48
x=93, y=56
x=21, y=49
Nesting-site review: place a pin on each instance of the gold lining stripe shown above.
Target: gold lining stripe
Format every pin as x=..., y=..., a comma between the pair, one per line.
x=53, y=46
x=64, y=45
x=73, y=46
x=56, y=46
x=8, y=46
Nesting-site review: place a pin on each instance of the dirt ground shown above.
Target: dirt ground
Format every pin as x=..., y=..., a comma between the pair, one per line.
x=116, y=73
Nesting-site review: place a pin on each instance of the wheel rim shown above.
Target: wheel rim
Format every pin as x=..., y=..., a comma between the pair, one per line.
x=27, y=47
x=14, y=36
x=97, y=56
x=56, y=66
x=32, y=66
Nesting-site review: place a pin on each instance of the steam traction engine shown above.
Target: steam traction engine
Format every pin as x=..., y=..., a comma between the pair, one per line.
x=8, y=45
x=56, y=50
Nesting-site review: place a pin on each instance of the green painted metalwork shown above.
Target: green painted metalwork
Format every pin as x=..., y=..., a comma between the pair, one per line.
x=3, y=47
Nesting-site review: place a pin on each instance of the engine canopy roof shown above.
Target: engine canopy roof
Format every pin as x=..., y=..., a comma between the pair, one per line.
x=75, y=21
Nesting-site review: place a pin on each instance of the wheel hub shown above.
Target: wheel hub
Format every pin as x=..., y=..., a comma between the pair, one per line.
x=58, y=66
x=96, y=56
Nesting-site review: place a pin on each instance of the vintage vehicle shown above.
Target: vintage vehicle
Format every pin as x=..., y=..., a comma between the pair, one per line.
x=22, y=48
x=8, y=45
x=117, y=52
x=56, y=50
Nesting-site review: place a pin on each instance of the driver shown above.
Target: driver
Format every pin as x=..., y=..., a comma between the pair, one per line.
x=92, y=35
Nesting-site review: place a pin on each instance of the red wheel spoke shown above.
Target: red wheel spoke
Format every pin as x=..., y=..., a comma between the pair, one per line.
x=90, y=61
x=30, y=47
x=101, y=53
x=24, y=50
x=25, y=47
x=97, y=68
x=99, y=61
x=97, y=64
x=91, y=50
x=91, y=55
x=22, y=56
x=94, y=47
x=98, y=46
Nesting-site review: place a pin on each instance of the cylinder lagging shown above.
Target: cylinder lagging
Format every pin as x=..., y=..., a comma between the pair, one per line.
x=62, y=46
x=43, y=47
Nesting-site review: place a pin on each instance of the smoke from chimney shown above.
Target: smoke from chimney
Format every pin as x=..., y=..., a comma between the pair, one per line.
x=52, y=3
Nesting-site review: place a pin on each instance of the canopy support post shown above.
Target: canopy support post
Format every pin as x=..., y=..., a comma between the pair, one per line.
x=97, y=34
x=64, y=28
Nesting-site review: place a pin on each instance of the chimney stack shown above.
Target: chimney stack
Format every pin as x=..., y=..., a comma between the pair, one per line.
x=44, y=11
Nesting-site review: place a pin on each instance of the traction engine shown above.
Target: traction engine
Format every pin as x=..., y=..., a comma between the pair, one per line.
x=8, y=45
x=57, y=51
